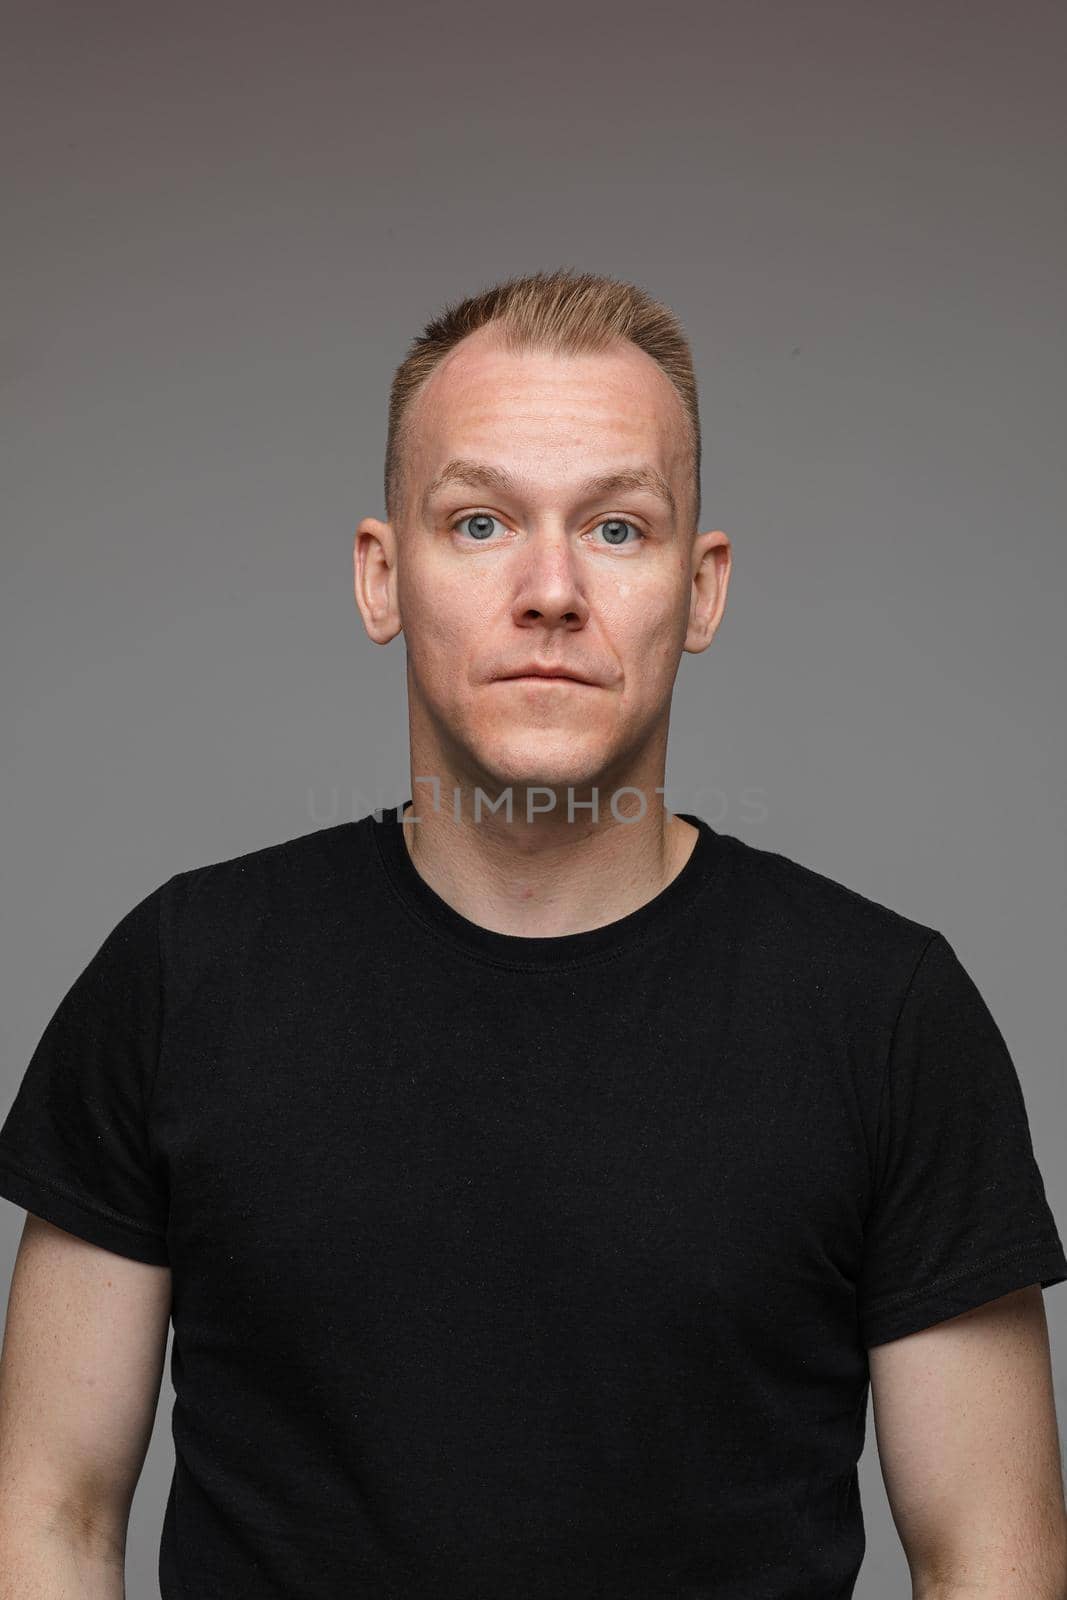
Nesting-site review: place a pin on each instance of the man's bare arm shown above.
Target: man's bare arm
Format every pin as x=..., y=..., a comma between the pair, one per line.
x=85, y=1338
x=969, y=1450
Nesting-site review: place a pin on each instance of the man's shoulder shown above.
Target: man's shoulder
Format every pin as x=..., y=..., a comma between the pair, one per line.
x=788, y=904
x=283, y=875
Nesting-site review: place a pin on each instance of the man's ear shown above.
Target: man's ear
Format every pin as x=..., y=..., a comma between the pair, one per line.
x=374, y=573
x=712, y=560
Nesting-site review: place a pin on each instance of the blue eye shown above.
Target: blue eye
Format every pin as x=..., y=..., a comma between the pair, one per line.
x=481, y=533
x=617, y=523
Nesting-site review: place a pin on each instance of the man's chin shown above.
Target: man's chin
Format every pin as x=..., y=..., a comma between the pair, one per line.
x=543, y=779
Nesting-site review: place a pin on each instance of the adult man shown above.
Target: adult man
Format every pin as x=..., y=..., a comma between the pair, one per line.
x=537, y=1182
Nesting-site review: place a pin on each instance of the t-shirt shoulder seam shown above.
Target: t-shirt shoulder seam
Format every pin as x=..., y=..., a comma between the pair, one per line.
x=884, y=1083
x=148, y=1092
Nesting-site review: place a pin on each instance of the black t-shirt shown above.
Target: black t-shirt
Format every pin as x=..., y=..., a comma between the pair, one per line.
x=509, y=1267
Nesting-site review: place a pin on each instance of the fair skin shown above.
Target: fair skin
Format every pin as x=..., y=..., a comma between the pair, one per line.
x=85, y=1340
x=963, y=1410
x=547, y=584
x=968, y=1445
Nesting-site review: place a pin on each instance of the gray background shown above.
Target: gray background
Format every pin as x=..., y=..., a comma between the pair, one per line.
x=224, y=225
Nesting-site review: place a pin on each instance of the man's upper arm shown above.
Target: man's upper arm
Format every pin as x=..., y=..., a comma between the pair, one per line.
x=967, y=1439
x=85, y=1339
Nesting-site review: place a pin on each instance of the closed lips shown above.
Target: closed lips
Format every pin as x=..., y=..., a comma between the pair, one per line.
x=556, y=675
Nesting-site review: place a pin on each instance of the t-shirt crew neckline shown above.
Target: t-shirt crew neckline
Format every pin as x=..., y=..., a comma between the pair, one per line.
x=656, y=916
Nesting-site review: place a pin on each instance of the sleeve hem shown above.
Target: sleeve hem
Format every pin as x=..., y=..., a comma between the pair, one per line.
x=58, y=1203
x=1040, y=1261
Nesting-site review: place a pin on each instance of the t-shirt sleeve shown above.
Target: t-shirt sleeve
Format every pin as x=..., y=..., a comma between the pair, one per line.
x=75, y=1146
x=958, y=1214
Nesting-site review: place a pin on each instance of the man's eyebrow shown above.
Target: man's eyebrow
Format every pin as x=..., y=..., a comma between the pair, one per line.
x=481, y=474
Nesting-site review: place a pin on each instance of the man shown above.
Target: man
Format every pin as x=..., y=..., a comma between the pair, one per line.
x=537, y=1181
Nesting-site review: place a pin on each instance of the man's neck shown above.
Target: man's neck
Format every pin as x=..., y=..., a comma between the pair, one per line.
x=546, y=879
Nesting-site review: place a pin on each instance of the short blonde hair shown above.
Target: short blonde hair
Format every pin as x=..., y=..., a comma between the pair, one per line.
x=567, y=311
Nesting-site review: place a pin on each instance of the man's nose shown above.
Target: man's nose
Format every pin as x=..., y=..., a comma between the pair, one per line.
x=549, y=585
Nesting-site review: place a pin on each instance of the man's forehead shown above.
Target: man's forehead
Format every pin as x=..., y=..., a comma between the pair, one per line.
x=622, y=382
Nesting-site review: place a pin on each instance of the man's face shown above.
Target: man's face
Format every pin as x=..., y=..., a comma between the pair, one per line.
x=492, y=577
